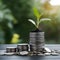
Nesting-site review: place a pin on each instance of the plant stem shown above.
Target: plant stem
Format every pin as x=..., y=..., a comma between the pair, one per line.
x=37, y=24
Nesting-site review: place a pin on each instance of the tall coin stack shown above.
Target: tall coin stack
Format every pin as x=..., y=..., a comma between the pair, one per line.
x=36, y=41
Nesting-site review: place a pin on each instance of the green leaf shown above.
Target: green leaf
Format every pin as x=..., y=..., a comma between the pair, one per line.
x=45, y=19
x=36, y=13
x=33, y=22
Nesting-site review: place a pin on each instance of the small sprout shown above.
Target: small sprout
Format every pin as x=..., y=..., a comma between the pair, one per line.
x=38, y=20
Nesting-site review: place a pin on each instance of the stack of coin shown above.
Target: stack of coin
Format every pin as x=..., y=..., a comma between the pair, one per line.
x=11, y=49
x=23, y=47
x=37, y=41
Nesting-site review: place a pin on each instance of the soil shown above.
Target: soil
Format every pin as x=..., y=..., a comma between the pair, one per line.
x=37, y=30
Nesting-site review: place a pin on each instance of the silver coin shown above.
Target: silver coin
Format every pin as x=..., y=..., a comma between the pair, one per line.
x=47, y=54
x=9, y=54
x=24, y=53
x=54, y=54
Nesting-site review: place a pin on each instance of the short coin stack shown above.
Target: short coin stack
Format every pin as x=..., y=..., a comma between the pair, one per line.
x=23, y=49
x=11, y=49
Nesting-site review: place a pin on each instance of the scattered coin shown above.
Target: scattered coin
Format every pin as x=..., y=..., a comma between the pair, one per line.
x=9, y=54
x=47, y=50
x=47, y=54
x=54, y=54
x=24, y=53
x=41, y=54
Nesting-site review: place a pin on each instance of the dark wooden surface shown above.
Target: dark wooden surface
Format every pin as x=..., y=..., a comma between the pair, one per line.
x=51, y=46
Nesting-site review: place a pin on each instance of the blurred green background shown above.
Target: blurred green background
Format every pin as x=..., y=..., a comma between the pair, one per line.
x=14, y=24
